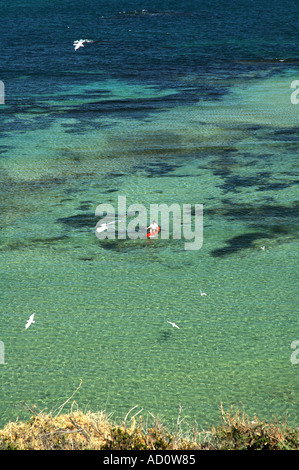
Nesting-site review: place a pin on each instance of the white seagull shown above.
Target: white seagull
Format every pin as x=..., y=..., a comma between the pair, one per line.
x=30, y=321
x=104, y=226
x=78, y=44
x=173, y=324
x=202, y=293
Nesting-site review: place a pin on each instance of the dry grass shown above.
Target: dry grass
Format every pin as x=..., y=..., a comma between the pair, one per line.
x=88, y=431
x=76, y=430
x=68, y=431
x=238, y=431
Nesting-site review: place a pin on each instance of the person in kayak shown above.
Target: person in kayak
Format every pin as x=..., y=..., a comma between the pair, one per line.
x=153, y=227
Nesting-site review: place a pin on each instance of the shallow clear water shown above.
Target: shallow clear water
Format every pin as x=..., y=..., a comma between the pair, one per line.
x=204, y=132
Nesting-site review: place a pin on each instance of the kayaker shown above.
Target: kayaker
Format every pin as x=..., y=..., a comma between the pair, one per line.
x=153, y=227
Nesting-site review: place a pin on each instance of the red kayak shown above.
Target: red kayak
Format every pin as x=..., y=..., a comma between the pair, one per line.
x=153, y=234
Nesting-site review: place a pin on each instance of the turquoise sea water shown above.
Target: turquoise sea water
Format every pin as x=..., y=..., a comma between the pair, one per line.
x=182, y=118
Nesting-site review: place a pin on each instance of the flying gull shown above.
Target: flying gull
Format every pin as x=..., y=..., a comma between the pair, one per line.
x=104, y=226
x=173, y=324
x=78, y=44
x=81, y=42
x=30, y=321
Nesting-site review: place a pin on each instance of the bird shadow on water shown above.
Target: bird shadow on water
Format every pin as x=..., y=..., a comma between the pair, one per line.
x=164, y=336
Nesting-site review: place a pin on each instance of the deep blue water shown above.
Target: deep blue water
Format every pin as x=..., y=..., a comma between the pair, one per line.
x=185, y=102
x=148, y=41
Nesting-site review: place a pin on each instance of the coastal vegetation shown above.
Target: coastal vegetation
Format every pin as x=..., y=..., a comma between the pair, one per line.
x=78, y=430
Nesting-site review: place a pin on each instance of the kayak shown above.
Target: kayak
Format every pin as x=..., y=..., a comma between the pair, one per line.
x=153, y=234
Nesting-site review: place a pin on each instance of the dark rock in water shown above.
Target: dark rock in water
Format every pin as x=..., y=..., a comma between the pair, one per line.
x=33, y=242
x=83, y=207
x=120, y=245
x=49, y=240
x=238, y=243
x=255, y=213
x=79, y=220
